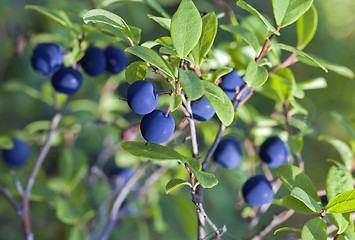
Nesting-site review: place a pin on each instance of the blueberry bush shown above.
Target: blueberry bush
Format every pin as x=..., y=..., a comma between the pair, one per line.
x=191, y=126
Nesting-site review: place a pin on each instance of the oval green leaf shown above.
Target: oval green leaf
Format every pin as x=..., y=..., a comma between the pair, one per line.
x=287, y=12
x=306, y=27
x=292, y=176
x=287, y=229
x=209, y=31
x=338, y=180
x=301, y=195
x=164, y=22
x=343, y=203
x=185, y=28
x=152, y=57
x=315, y=229
x=174, y=183
x=191, y=84
x=136, y=71
x=255, y=75
x=296, y=205
x=175, y=101
x=152, y=151
x=253, y=11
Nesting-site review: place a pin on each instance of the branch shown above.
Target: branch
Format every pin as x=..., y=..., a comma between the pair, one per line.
x=44, y=151
x=266, y=48
x=277, y=220
x=120, y=198
x=11, y=200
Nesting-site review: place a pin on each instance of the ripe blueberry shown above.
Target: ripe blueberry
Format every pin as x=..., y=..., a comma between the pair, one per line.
x=18, y=155
x=94, y=61
x=156, y=127
x=141, y=97
x=228, y=153
x=202, y=110
x=257, y=191
x=67, y=80
x=274, y=152
x=230, y=82
x=47, y=58
x=116, y=60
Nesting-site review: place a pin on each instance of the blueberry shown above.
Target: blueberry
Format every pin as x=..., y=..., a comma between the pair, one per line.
x=324, y=200
x=228, y=153
x=94, y=61
x=116, y=60
x=18, y=155
x=67, y=80
x=156, y=127
x=47, y=58
x=119, y=176
x=257, y=191
x=141, y=97
x=230, y=82
x=202, y=110
x=274, y=152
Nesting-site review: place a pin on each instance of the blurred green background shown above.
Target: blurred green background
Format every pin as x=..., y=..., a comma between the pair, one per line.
x=333, y=41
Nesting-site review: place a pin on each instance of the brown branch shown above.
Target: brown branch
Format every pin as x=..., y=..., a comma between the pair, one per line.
x=266, y=48
x=11, y=200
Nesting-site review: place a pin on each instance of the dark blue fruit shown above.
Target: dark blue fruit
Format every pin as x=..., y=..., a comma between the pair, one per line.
x=116, y=60
x=141, y=97
x=274, y=152
x=230, y=82
x=228, y=153
x=257, y=191
x=47, y=58
x=94, y=61
x=156, y=127
x=202, y=109
x=119, y=176
x=67, y=80
x=18, y=155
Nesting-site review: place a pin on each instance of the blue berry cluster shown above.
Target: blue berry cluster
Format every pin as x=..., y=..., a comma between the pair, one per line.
x=156, y=126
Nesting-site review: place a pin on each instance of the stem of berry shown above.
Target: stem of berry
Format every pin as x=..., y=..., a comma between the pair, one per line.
x=167, y=112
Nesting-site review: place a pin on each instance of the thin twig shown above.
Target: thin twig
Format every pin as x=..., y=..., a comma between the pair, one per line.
x=11, y=200
x=43, y=153
x=120, y=198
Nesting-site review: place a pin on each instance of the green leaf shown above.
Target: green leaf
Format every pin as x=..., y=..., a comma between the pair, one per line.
x=164, y=22
x=175, y=101
x=153, y=58
x=152, y=151
x=344, y=123
x=287, y=229
x=296, y=108
x=338, y=180
x=247, y=35
x=292, y=176
x=315, y=229
x=298, y=52
x=343, y=203
x=76, y=233
x=315, y=83
x=155, y=5
x=350, y=233
x=67, y=213
x=6, y=142
x=339, y=69
x=59, y=16
x=306, y=27
x=108, y=18
x=343, y=149
x=207, y=180
x=253, y=11
x=213, y=90
x=220, y=72
x=296, y=205
x=136, y=32
x=296, y=143
x=224, y=108
x=208, y=34
x=255, y=75
x=306, y=199
x=340, y=220
x=174, y=183
x=186, y=28
x=287, y=12
x=191, y=84
x=193, y=163
x=282, y=81
x=136, y=71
